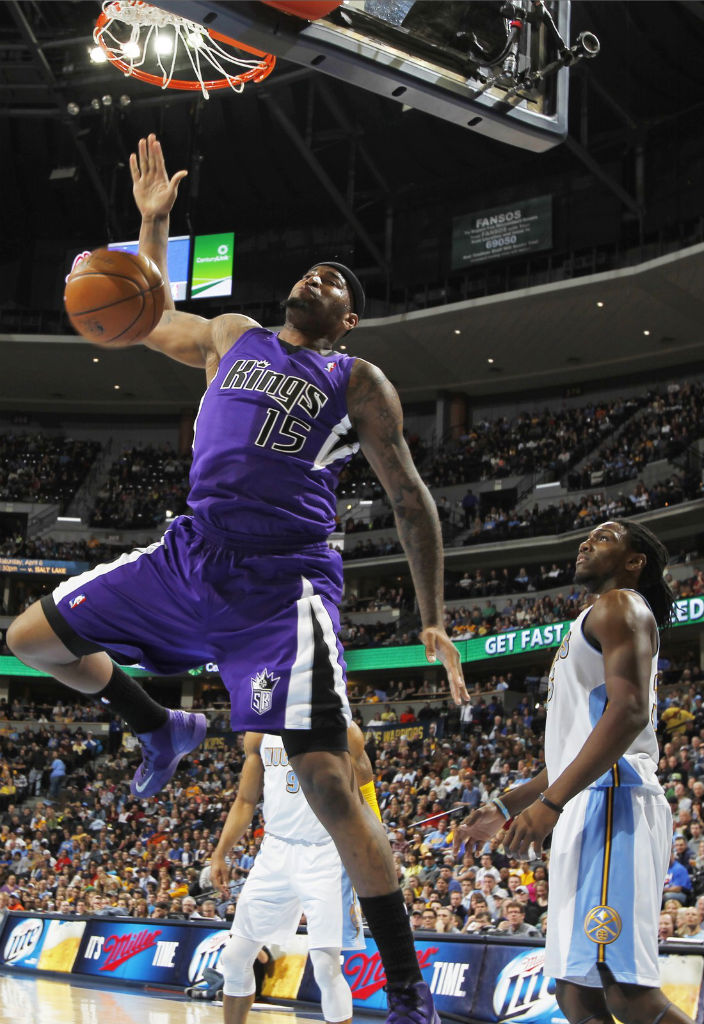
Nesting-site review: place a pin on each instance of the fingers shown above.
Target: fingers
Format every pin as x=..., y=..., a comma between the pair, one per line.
x=134, y=168
x=143, y=157
x=177, y=179
x=430, y=649
x=453, y=665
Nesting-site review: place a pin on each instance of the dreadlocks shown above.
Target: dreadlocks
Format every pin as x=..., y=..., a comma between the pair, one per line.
x=652, y=583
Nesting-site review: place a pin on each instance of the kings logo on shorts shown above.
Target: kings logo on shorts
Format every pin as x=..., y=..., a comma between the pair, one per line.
x=523, y=993
x=263, y=686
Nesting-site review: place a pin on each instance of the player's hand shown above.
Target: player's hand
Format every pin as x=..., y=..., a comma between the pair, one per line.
x=220, y=872
x=439, y=646
x=477, y=827
x=154, y=192
x=529, y=829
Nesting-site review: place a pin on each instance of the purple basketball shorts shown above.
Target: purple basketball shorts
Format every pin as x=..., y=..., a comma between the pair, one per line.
x=269, y=621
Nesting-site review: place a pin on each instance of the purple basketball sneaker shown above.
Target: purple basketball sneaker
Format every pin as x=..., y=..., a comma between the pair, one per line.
x=411, y=1004
x=163, y=749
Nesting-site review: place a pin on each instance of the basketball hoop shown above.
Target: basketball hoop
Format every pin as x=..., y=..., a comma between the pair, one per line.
x=127, y=29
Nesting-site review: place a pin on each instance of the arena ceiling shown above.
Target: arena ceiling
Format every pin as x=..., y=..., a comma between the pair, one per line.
x=643, y=93
x=507, y=344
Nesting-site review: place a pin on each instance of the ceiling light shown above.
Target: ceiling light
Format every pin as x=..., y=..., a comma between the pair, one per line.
x=125, y=100
x=95, y=359
x=73, y=109
x=646, y=333
x=164, y=43
x=343, y=348
x=490, y=360
x=457, y=330
x=116, y=387
x=600, y=305
x=97, y=55
x=107, y=100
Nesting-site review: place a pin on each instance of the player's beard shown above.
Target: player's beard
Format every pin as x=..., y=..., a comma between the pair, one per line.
x=296, y=302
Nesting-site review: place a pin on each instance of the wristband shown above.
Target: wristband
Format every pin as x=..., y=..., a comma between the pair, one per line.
x=368, y=791
x=502, y=807
x=550, y=803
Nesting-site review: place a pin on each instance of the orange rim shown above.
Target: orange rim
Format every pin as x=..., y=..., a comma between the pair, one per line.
x=258, y=74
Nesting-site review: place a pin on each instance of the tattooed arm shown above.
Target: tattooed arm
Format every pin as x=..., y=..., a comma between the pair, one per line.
x=375, y=412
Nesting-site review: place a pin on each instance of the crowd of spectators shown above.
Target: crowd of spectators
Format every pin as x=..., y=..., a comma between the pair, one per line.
x=89, y=550
x=668, y=425
x=143, y=485
x=491, y=615
x=92, y=848
x=499, y=524
x=623, y=435
x=39, y=468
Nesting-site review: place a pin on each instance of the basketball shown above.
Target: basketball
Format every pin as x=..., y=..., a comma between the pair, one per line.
x=114, y=298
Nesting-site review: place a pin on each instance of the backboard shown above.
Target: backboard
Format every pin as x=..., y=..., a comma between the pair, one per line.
x=492, y=67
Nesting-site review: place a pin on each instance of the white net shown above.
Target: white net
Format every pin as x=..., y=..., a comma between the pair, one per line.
x=138, y=35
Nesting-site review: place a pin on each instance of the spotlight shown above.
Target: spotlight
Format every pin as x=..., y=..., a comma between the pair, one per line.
x=125, y=100
x=130, y=50
x=95, y=103
x=107, y=100
x=164, y=43
x=97, y=55
x=73, y=109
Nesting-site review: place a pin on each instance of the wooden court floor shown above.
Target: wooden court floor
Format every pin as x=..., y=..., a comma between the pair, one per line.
x=25, y=999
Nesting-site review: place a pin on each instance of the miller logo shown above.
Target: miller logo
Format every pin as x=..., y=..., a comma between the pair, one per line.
x=602, y=925
x=263, y=685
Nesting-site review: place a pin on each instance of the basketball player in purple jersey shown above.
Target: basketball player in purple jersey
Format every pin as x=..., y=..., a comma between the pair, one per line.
x=248, y=580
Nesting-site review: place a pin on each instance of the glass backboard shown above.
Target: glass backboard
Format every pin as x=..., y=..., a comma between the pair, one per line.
x=497, y=68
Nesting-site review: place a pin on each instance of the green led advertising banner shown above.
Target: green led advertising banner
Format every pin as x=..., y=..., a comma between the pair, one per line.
x=213, y=261
x=531, y=640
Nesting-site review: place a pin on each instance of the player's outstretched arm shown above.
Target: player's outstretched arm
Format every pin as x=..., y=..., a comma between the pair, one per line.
x=241, y=813
x=188, y=338
x=375, y=411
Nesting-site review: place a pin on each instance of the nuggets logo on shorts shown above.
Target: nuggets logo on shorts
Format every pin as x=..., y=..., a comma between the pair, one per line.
x=602, y=925
x=263, y=686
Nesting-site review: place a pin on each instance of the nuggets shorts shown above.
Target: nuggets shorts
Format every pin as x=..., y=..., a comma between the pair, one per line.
x=269, y=620
x=609, y=856
x=290, y=878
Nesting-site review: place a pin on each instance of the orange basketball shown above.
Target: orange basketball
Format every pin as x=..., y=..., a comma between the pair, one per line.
x=115, y=298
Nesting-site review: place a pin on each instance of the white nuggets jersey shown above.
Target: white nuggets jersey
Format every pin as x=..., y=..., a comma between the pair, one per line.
x=610, y=847
x=287, y=813
x=575, y=703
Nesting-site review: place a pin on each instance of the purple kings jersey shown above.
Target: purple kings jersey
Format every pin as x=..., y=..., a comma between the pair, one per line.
x=271, y=436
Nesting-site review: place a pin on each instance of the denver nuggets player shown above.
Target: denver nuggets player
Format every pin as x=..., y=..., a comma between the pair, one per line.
x=248, y=580
x=298, y=869
x=599, y=791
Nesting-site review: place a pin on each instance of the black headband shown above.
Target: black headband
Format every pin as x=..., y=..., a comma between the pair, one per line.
x=352, y=281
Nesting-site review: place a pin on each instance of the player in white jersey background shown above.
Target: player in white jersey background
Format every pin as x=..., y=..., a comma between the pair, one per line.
x=298, y=870
x=599, y=794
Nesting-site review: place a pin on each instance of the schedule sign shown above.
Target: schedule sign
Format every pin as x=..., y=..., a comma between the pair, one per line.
x=525, y=226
